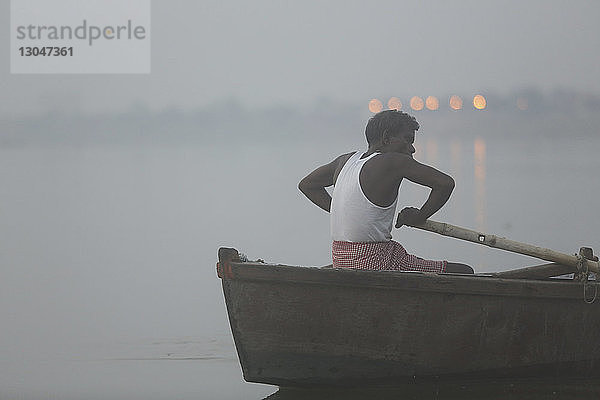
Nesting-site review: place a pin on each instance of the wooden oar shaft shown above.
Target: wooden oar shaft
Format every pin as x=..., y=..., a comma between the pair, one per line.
x=505, y=244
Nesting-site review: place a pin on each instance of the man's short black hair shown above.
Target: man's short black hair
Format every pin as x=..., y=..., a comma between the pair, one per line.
x=392, y=121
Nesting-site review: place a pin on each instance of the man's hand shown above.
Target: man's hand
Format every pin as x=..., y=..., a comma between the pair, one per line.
x=410, y=216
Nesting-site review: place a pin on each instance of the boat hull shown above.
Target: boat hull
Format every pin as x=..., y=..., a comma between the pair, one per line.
x=298, y=326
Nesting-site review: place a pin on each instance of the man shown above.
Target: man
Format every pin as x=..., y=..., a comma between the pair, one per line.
x=365, y=194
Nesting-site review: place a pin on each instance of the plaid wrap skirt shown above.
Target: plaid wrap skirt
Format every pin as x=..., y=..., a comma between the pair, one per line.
x=380, y=256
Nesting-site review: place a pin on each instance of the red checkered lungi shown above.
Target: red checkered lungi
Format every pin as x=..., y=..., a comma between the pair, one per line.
x=381, y=256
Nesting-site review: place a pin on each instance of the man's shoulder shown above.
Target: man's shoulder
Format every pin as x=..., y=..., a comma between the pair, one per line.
x=392, y=160
x=339, y=163
x=344, y=157
x=340, y=160
x=389, y=164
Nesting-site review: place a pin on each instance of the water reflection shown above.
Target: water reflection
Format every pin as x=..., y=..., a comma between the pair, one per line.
x=456, y=162
x=486, y=390
x=432, y=152
x=479, y=170
x=480, y=195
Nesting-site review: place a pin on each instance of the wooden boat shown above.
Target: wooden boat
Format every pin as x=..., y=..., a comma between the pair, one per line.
x=310, y=326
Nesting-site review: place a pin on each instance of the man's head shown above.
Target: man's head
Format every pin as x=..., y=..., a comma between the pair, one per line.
x=386, y=126
x=390, y=122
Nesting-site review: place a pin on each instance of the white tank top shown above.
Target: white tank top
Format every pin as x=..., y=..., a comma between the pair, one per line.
x=353, y=217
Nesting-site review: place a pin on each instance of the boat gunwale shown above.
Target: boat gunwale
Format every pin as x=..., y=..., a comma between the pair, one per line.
x=462, y=284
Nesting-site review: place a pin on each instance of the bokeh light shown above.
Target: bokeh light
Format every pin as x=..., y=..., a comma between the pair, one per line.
x=522, y=104
x=432, y=103
x=456, y=102
x=375, y=106
x=479, y=102
x=417, y=103
x=394, y=103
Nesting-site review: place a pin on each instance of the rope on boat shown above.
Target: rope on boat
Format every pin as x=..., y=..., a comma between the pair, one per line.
x=583, y=275
x=585, y=286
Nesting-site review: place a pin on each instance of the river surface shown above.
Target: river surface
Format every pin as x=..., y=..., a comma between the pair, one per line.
x=108, y=287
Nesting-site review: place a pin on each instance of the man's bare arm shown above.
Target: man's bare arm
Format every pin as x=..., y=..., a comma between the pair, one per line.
x=441, y=186
x=313, y=185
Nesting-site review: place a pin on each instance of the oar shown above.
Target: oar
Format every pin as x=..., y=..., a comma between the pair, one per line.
x=574, y=261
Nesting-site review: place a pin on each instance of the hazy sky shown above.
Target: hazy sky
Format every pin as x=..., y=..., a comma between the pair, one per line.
x=267, y=52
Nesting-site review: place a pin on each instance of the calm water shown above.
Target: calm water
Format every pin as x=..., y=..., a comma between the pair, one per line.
x=108, y=287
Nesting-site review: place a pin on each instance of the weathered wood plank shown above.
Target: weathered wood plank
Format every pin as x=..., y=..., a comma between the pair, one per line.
x=536, y=272
x=392, y=280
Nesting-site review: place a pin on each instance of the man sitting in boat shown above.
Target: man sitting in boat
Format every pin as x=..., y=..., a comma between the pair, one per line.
x=365, y=194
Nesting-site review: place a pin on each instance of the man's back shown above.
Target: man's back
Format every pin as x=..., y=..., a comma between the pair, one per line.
x=354, y=217
x=378, y=180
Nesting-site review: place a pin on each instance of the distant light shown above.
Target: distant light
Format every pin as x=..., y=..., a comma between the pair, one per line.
x=432, y=103
x=456, y=102
x=375, y=106
x=522, y=104
x=479, y=102
x=416, y=103
x=394, y=103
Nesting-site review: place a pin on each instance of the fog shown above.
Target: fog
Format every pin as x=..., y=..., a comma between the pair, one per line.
x=268, y=52
x=117, y=191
